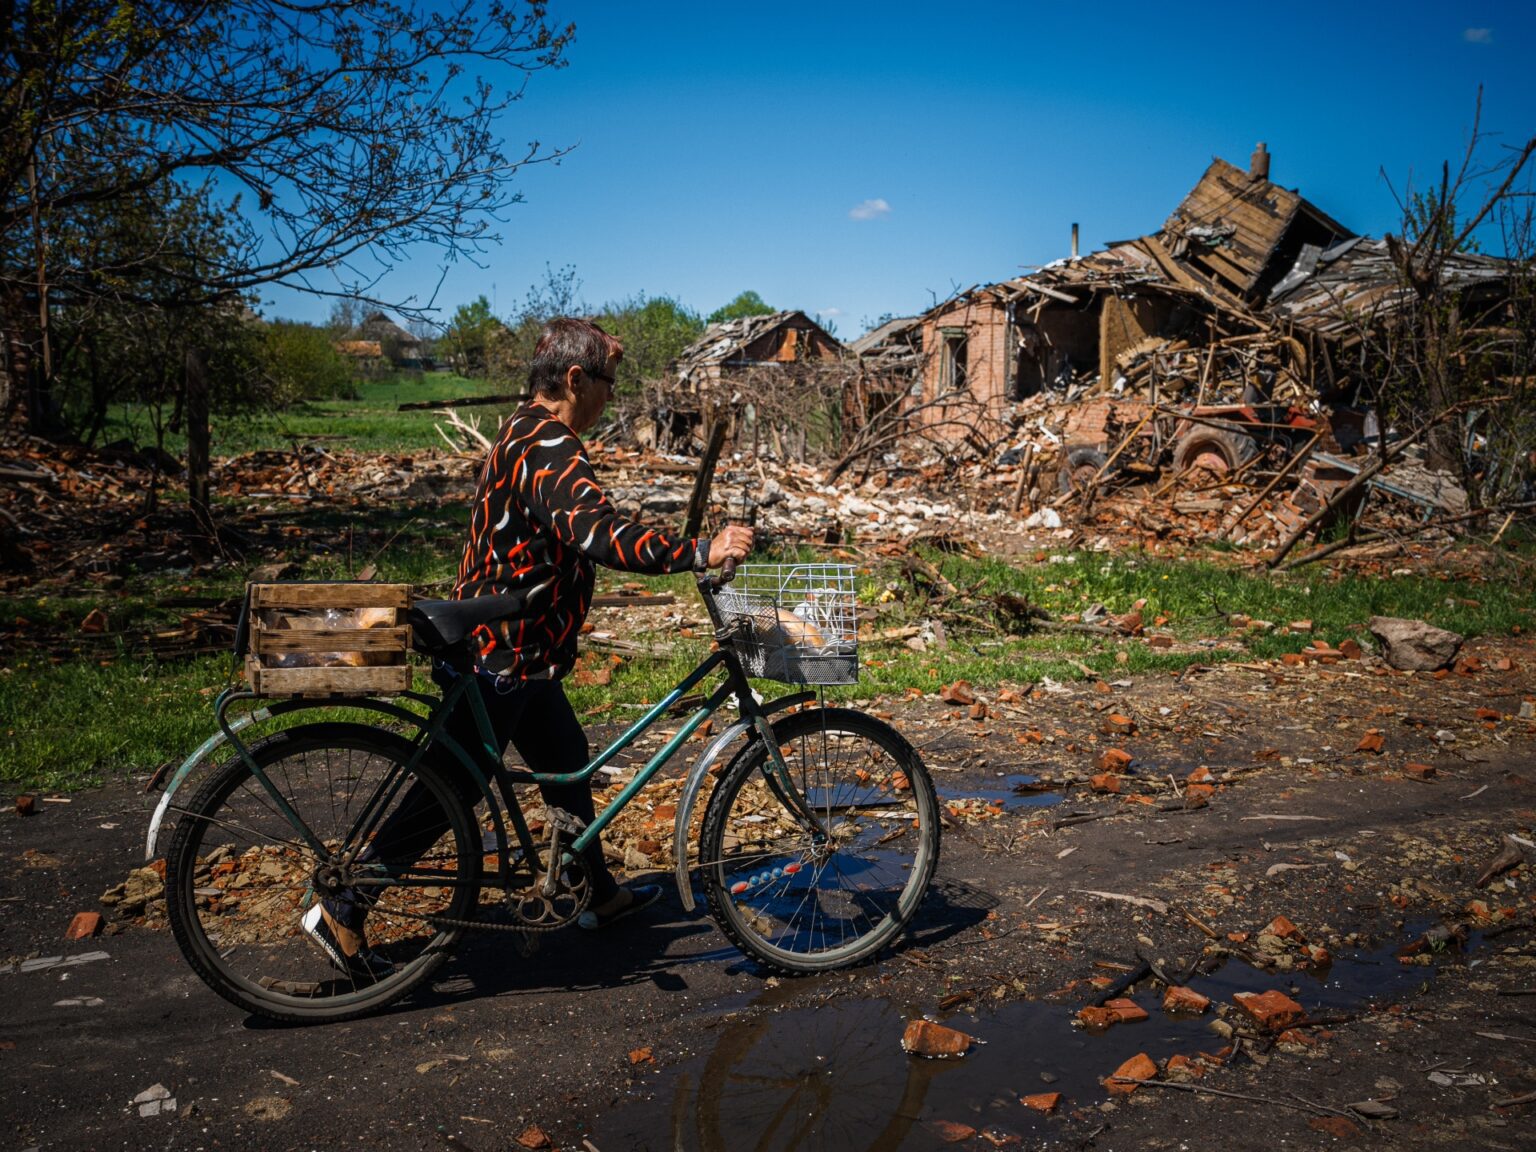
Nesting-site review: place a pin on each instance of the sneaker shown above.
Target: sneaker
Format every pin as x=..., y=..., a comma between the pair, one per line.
x=344, y=947
x=640, y=896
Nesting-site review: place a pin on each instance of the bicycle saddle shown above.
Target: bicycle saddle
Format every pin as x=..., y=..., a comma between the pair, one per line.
x=439, y=627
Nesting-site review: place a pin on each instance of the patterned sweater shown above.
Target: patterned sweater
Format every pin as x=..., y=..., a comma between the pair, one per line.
x=539, y=522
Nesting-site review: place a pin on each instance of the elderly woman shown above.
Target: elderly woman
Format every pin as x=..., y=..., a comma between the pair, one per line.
x=539, y=523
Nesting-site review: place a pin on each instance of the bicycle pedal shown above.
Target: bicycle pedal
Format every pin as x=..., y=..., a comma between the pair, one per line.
x=564, y=821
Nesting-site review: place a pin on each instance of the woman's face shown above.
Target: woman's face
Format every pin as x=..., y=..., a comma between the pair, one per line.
x=591, y=396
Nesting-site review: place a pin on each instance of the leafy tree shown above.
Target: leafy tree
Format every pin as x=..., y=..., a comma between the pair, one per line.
x=470, y=333
x=749, y=303
x=302, y=364
x=352, y=131
x=654, y=331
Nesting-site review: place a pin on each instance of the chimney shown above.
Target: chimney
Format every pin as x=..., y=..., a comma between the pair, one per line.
x=1258, y=163
x=1074, y=241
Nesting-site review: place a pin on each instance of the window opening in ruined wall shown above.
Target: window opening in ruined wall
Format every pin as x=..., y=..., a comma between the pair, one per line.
x=955, y=360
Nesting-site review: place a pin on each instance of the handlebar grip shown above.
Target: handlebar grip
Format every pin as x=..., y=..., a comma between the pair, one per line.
x=728, y=570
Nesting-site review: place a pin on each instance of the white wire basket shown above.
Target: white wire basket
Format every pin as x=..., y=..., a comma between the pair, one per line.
x=795, y=623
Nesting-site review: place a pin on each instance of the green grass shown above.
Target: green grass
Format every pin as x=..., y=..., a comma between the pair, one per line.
x=371, y=423
x=74, y=722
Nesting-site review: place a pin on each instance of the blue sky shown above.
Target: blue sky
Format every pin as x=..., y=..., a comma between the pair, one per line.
x=858, y=159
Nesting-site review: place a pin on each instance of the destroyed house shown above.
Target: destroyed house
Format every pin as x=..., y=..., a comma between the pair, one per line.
x=395, y=344
x=1086, y=321
x=774, y=341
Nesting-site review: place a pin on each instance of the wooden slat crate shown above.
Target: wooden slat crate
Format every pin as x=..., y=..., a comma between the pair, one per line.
x=295, y=652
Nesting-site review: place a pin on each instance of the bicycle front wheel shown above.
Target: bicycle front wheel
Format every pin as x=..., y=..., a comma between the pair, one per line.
x=343, y=824
x=823, y=869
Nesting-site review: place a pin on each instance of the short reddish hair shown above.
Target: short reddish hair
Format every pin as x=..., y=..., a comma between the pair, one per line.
x=567, y=340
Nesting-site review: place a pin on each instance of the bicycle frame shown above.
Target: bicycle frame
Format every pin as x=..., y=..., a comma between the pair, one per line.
x=430, y=733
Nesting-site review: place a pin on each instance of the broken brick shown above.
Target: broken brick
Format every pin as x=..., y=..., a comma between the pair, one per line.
x=1117, y=725
x=1138, y=1067
x=1105, y=782
x=1126, y=1011
x=957, y=693
x=1302, y=626
x=26, y=805
x=1094, y=1016
x=1114, y=760
x=978, y=711
x=1043, y=1102
x=1201, y=775
x=1489, y=714
x=83, y=926
x=1180, y=999
x=1201, y=792
x=1271, y=1011
x=1181, y=1069
x=1350, y=650
x=925, y=1038
x=1160, y=641
x=1419, y=771
x=1292, y=659
x=1339, y=1127
x=1282, y=927
x=533, y=1137
x=1372, y=741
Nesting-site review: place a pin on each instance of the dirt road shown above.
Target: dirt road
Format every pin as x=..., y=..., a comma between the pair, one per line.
x=658, y=1035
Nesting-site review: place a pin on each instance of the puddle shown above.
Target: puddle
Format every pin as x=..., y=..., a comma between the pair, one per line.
x=1014, y=791
x=834, y=1079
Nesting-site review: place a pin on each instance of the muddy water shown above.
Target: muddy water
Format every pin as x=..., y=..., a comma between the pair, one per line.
x=1013, y=791
x=833, y=1078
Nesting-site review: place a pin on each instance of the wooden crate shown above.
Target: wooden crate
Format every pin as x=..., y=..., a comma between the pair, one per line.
x=334, y=661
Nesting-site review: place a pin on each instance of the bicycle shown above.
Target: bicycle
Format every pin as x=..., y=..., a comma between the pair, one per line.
x=816, y=846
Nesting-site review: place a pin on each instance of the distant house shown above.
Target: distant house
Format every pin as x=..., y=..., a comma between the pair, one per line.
x=390, y=342
x=778, y=371
x=733, y=347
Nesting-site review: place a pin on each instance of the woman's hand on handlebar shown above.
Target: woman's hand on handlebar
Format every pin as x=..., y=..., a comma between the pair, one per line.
x=734, y=543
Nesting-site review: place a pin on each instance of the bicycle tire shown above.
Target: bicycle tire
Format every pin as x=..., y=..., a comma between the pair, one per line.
x=799, y=899
x=239, y=878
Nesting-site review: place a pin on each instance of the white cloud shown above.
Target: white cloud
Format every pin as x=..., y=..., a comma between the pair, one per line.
x=869, y=210
x=1478, y=35
x=832, y=312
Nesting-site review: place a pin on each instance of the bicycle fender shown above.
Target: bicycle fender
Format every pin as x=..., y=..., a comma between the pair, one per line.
x=695, y=784
x=188, y=766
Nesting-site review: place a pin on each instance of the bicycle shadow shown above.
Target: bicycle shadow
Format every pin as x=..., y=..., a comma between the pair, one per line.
x=658, y=946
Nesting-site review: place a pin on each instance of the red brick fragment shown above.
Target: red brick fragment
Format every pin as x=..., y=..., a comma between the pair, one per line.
x=1339, y=1127
x=951, y=1132
x=1043, y=1102
x=1117, y=725
x=1114, y=760
x=1419, y=771
x=1105, y=782
x=1292, y=659
x=1138, y=1067
x=1199, y=791
x=1127, y=1011
x=83, y=926
x=1350, y=650
x=1160, y=641
x=1094, y=1016
x=957, y=693
x=925, y=1038
x=1271, y=1010
x=1489, y=714
x=1372, y=741
x=1201, y=775
x=26, y=805
x=533, y=1137
x=1179, y=999
x=1180, y=1069
x=1282, y=927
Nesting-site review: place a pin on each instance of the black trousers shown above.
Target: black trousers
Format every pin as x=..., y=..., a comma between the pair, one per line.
x=533, y=716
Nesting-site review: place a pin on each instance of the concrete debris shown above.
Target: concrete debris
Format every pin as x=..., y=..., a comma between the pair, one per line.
x=1414, y=646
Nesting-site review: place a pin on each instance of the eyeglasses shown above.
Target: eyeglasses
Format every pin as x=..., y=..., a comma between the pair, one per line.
x=608, y=380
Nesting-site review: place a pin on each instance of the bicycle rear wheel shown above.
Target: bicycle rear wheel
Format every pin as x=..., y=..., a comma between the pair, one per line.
x=825, y=876
x=240, y=875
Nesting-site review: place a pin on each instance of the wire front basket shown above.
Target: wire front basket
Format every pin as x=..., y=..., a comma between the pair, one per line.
x=793, y=622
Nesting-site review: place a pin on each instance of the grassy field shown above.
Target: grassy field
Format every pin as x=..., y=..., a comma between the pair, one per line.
x=73, y=718
x=371, y=423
